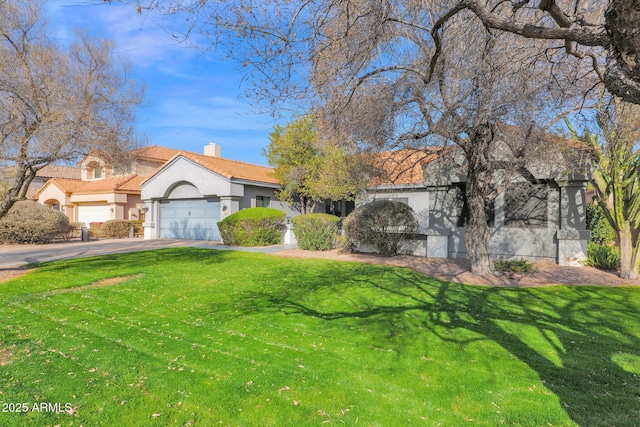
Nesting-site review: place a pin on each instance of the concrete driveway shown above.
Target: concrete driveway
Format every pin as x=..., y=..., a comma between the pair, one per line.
x=14, y=255
x=11, y=255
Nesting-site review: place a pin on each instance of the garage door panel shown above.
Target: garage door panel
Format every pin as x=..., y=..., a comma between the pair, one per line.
x=190, y=219
x=94, y=213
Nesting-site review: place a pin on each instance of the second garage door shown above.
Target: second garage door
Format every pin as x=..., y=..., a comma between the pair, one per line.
x=93, y=213
x=190, y=219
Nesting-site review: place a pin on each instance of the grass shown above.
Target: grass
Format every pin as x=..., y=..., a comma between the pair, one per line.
x=201, y=337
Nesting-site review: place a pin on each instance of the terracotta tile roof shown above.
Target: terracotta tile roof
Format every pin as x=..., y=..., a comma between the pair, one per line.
x=403, y=167
x=234, y=169
x=32, y=193
x=129, y=184
x=55, y=171
x=133, y=185
x=52, y=171
x=230, y=169
x=154, y=152
x=66, y=185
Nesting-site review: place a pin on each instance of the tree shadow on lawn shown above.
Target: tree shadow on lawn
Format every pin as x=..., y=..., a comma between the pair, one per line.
x=591, y=331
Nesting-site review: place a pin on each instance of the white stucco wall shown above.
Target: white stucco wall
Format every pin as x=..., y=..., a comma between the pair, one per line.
x=184, y=170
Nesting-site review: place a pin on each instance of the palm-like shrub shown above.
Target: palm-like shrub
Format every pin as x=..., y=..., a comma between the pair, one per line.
x=316, y=231
x=604, y=257
x=382, y=224
x=252, y=227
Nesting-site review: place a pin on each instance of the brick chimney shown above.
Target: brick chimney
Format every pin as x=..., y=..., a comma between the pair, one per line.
x=212, y=149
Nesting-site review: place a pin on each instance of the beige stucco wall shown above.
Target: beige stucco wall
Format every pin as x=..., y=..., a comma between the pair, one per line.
x=51, y=192
x=99, y=197
x=120, y=204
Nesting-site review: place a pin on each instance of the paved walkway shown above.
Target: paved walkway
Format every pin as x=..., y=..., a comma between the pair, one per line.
x=14, y=255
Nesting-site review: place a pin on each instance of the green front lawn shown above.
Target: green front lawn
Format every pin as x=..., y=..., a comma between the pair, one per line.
x=201, y=337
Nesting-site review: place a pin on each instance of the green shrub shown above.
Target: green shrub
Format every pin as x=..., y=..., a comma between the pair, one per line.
x=515, y=266
x=31, y=222
x=382, y=224
x=344, y=245
x=252, y=227
x=316, y=231
x=116, y=228
x=605, y=257
x=601, y=231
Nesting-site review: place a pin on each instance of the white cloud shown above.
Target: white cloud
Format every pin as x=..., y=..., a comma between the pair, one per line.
x=140, y=36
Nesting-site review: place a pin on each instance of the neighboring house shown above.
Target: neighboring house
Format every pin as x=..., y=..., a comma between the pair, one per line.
x=42, y=176
x=101, y=191
x=539, y=214
x=191, y=193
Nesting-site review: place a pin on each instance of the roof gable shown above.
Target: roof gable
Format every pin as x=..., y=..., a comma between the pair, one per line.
x=232, y=170
x=67, y=186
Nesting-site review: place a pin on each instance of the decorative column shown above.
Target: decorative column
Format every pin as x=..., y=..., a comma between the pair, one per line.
x=151, y=219
x=572, y=236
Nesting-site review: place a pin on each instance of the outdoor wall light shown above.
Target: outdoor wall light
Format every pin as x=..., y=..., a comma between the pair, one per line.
x=224, y=207
x=145, y=209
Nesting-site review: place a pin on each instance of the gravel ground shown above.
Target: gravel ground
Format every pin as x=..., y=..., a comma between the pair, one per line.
x=544, y=273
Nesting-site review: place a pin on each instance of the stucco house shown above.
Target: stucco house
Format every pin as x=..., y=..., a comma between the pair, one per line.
x=102, y=192
x=191, y=193
x=539, y=214
x=7, y=174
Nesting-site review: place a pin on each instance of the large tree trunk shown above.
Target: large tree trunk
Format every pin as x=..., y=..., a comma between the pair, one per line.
x=478, y=176
x=307, y=205
x=622, y=75
x=18, y=189
x=628, y=252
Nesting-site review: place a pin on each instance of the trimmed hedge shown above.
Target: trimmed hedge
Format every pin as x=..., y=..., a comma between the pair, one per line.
x=138, y=229
x=116, y=228
x=316, y=231
x=31, y=222
x=252, y=227
x=382, y=224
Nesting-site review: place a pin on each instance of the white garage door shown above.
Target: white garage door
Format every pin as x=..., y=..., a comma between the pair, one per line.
x=89, y=214
x=190, y=219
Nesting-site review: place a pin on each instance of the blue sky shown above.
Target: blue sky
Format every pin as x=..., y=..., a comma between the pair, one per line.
x=192, y=97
